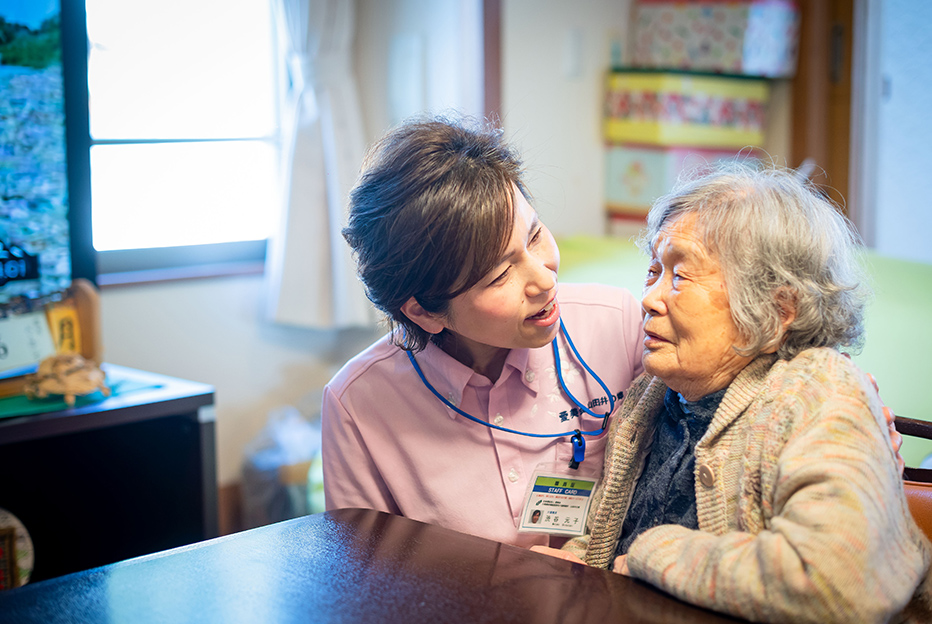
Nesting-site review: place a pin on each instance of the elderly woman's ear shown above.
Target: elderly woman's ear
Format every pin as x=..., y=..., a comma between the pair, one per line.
x=787, y=301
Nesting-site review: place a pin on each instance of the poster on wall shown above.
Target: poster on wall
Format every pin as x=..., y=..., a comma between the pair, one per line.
x=35, y=258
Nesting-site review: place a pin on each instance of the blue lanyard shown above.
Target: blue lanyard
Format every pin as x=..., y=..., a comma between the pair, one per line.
x=579, y=442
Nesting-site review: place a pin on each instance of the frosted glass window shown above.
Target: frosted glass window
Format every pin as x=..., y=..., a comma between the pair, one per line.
x=183, y=122
x=174, y=194
x=180, y=69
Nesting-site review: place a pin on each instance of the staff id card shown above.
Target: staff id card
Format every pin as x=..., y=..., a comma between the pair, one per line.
x=557, y=503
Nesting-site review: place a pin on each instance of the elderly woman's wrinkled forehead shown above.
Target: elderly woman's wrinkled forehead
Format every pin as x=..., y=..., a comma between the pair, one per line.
x=686, y=224
x=705, y=208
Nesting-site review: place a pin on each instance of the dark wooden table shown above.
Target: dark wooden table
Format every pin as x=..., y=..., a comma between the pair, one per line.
x=349, y=565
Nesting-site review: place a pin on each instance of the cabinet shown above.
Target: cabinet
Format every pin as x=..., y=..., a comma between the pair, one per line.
x=105, y=481
x=659, y=124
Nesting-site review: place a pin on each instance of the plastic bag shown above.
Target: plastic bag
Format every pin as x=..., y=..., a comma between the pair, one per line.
x=275, y=468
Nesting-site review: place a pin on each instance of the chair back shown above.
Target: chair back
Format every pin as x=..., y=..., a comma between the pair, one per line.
x=917, y=482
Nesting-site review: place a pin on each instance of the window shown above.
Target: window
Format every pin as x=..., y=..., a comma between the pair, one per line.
x=183, y=121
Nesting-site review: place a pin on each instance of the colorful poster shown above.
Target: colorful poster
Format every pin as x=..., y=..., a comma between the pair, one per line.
x=35, y=256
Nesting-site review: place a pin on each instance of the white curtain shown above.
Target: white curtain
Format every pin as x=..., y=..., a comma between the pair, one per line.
x=310, y=272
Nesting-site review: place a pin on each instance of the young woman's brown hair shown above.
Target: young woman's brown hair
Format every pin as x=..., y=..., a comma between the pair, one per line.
x=430, y=215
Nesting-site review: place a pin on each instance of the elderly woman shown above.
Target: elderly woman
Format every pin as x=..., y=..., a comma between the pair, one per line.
x=750, y=470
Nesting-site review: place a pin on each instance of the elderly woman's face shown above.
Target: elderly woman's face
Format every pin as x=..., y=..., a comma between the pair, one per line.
x=687, y=318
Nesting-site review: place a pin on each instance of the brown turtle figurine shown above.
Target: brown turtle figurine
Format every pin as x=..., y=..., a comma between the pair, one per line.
x=67, y=374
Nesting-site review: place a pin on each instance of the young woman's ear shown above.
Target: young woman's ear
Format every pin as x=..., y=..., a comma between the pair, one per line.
x=429, y=322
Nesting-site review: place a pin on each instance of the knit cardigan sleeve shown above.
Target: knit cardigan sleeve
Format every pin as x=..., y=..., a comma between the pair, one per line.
x=836, y=541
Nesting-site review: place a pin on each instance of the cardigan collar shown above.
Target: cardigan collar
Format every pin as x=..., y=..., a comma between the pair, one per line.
x=741, y=393
x=625, y=460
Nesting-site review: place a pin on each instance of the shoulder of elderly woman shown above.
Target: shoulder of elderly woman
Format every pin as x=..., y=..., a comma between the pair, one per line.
x=825, y=369
x=821, y=388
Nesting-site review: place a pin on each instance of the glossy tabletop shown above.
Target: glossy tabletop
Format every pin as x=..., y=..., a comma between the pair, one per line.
x=349, y=565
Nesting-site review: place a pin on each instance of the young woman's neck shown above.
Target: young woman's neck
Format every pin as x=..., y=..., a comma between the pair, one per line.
x=486, y=360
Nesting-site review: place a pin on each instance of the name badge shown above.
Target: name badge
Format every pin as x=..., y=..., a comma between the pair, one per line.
x=558, y=503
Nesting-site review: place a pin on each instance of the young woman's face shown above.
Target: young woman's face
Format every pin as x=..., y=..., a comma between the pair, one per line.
x=515, y=304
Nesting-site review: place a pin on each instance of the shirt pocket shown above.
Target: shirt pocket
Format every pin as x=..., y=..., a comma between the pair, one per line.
x=595, y=452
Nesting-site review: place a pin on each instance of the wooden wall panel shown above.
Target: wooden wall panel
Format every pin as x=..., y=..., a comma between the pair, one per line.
x=821, y=102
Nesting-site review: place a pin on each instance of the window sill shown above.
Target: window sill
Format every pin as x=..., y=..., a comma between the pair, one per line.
x=139, y=266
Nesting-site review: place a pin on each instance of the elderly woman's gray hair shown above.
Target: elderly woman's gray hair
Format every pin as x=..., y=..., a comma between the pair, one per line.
x=781, y=244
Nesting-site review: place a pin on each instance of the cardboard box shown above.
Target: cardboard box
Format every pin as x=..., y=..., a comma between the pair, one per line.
x=746, y=37
x=635, y=176
x=670, y=109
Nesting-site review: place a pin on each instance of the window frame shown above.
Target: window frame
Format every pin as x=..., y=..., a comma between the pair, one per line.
x=172, y=263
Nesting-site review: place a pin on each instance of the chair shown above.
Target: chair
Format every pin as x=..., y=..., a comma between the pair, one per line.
x=917, y=482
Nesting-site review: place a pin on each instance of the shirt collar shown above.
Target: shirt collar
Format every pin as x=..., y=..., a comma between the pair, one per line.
x=450, y=377
x=704, y=408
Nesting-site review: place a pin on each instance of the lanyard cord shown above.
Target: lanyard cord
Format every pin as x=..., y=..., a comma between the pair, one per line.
x=608, y=393
x=556, y=354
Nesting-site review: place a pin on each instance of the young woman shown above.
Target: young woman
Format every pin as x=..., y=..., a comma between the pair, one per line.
x=452, y=252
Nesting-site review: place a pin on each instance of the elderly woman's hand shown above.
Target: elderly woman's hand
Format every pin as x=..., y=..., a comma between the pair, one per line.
x=621, y=565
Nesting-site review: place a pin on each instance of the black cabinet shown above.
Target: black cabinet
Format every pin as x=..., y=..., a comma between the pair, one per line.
x=127, y=476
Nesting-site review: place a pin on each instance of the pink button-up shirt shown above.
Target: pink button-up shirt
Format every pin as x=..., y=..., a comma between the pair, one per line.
x=389, y=444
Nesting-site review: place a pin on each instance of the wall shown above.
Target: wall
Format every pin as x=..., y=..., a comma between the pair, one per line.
x=554, y=58
x=903, y=218
x=415, y=56
x=213, y=331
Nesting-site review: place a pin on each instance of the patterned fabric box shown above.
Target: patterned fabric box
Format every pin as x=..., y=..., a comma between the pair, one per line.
x=637, y=175
x=657, y=108
x=747, y=37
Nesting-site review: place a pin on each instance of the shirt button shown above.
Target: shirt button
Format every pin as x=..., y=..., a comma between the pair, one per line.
x=498, y=419
x=529, y=375
x=706, y=476
x=451, y=398
x=513, y=475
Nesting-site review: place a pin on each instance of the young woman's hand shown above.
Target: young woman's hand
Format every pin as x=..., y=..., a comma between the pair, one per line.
x=896, y=438
x=556, y=552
